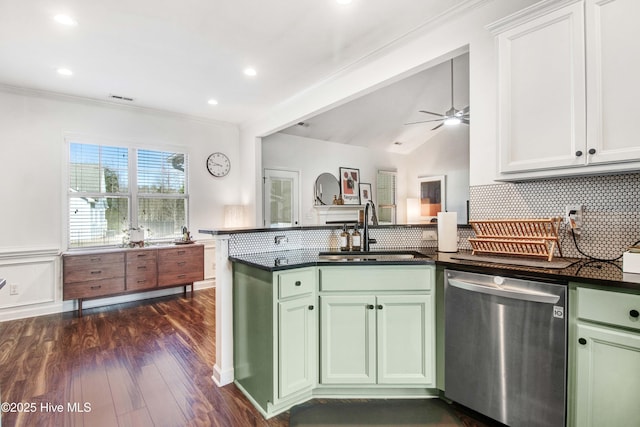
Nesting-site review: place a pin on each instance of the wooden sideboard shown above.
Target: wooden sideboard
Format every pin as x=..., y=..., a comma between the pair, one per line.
x=99, y=274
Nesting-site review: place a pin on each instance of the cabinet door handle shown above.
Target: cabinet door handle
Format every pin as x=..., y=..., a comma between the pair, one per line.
x=578, y=153
x=582, y=341
x=298, y=283
x=370, y=307
x=379, y=306
x=634, y=313
x=592, y=151
x=310, y=307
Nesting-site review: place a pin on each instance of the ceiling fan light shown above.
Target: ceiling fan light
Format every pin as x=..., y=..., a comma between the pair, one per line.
x=452, y=121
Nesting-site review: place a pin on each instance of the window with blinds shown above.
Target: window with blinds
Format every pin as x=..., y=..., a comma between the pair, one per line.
x=386, y=194
x=113, y=189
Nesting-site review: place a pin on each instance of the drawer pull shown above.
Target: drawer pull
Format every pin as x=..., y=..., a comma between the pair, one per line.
x=298, y=283
x=182, y=263
x=142, y=267
x=142, y=281
x=142, y=255
x=181, y=276
x=181, y=252
x=96, y=272
x=96, y=258
x=96, y=286
x=634, y=314
x=582, y=341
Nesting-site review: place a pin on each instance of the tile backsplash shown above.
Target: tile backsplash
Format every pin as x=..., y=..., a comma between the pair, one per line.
x=611, y=209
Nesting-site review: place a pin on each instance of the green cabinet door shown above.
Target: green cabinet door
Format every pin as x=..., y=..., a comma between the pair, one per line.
x=405, y=339
x=607, y=377
x=348, y=341
x=297, y=346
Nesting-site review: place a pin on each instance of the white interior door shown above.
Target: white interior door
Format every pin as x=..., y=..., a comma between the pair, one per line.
x=281, y=198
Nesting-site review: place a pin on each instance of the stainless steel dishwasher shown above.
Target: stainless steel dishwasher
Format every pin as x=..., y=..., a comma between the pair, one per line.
x=506, y=348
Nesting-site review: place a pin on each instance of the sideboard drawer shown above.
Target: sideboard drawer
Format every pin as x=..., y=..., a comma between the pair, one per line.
x=95, y=288
x=83, y=272
x=180, y=265
x=90, y=260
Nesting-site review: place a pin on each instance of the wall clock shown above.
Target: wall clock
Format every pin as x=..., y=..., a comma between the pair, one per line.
x=218, y=164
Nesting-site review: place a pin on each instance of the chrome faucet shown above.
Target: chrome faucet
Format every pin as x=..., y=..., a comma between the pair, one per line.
x=374, y=219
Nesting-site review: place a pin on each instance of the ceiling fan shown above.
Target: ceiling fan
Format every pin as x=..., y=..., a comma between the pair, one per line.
x=452, y=116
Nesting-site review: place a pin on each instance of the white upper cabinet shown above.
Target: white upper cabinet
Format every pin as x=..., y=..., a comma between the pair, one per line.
x=613, y=87
x=567, y=84
x=541, y=104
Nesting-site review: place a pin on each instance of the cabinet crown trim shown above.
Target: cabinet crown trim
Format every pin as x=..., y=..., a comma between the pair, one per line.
x=534, y=11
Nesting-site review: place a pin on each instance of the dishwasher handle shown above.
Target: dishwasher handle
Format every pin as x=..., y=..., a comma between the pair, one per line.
x=513, y=293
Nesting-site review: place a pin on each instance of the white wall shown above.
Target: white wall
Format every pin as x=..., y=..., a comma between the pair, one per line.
x=413, y=54
x=33, y=152
x=311, y=157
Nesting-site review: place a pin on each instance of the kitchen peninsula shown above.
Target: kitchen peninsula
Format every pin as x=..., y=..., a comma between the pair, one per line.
x=274, y=261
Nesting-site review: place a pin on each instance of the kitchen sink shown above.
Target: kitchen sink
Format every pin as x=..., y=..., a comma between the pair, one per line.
x=370, y=256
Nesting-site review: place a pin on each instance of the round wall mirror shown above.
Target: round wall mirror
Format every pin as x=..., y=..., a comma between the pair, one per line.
x=327, y=186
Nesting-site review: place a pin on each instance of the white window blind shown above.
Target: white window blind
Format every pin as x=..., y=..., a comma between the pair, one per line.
x=386, y=193
x=110, y=192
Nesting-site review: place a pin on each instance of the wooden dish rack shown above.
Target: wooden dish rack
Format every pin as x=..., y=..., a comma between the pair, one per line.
x=523, y=237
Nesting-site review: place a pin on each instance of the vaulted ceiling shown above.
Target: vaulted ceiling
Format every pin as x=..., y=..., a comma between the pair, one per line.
x=379, y=119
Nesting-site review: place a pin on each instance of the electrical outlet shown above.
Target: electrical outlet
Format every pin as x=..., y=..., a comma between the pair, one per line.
x=13, y=289
x=573, y=215
x=429, y=235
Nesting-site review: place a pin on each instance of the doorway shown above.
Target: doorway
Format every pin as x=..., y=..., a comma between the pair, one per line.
x=281, y=203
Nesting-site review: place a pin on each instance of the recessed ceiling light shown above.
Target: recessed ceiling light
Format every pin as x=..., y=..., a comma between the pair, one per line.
x=65, y=72
x=343, y=1
x=212, y=102
x=65, y=20
x=250, y=72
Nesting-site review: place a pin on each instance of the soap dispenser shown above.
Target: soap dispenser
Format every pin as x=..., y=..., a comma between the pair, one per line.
x=355, y=239
x=344, y=239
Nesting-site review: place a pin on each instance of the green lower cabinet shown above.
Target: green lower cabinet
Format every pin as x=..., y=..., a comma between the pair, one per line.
x=405, y=333
x=347, y=339
x=604, y=362
x=607, y=377
x=275, y=335
x=297, y=345
x=377, y=326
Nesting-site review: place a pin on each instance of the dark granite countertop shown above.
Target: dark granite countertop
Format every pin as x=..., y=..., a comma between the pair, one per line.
x=606, y=274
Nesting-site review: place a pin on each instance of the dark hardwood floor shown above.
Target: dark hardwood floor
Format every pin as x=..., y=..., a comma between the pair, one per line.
x=147, y=363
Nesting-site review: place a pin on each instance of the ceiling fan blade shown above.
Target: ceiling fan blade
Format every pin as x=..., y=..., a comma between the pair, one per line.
x=429, y=112
x=440, y=125
x=465, y=121
x=424, y=121
x=465, y=110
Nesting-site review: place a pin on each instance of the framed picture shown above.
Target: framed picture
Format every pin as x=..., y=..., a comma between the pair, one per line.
x=432, y=193
x=349, y=185
x=365, y=192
